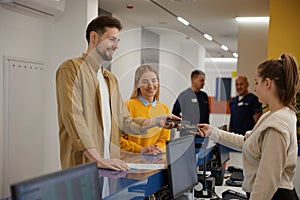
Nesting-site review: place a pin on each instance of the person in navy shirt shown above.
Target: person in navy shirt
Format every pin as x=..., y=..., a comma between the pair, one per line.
x=245, y=108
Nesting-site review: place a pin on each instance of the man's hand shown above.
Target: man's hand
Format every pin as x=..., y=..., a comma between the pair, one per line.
x=114, y=164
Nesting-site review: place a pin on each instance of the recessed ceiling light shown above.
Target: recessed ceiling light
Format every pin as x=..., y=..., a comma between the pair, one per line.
x=252, y=19
x=235, y=54
x=220, y=59
x=208, y=37
x=185, y=22
x=225, y=48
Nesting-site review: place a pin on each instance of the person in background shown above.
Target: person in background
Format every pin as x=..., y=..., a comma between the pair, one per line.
x=91, y=112
x=144, y=102
x=244, y=108
x=269, y=150
x=192, y=104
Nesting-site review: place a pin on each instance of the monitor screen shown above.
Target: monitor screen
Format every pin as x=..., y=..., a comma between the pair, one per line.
x=182, y=170
x=222, y=154
x=76, y=183
x=204, y=152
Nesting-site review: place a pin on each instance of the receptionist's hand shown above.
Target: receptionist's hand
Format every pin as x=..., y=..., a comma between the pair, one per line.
x=204, y=130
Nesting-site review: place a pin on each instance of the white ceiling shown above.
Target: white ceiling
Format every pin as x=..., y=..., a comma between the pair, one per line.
x=214, y=17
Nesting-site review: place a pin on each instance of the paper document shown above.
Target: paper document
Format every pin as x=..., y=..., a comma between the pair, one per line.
x=145, y=166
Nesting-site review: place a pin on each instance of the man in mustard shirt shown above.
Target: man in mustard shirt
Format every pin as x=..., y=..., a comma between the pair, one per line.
x=91, y=112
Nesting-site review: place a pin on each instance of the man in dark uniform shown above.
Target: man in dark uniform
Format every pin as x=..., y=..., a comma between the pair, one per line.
x=192, y=104
x=245, y=108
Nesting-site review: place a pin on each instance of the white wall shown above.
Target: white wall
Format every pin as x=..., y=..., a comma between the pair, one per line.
x=173, y=74
x=178, y=58
x=252, y=48
x=128, y=57
x=14, y=42
x=66, y=40
x=51, y=41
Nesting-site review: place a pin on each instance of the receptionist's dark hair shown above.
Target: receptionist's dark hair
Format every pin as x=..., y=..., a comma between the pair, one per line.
x=284, y=73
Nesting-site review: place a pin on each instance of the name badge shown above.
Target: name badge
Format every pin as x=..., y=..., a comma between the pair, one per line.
x=240, y=103
x=194, y=100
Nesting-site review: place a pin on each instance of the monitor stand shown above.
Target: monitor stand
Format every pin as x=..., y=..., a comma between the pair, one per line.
x=189, y=195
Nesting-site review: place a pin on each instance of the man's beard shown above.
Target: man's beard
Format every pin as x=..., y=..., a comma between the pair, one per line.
x=103, y=55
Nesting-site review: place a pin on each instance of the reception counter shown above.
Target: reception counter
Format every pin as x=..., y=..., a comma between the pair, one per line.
x=133, y=184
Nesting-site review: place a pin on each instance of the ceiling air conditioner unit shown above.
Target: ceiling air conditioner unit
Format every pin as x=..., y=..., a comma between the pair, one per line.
x=47, y=8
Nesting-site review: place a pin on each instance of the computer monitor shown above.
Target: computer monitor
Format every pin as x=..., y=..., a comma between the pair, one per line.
x=182, y=170
x=222, y=154
x=205, y=152
x=76, y=183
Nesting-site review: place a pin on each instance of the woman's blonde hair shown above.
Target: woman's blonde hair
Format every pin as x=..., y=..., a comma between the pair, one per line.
x=138, y=73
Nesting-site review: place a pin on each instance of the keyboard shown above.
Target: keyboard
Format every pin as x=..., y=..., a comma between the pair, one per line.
x=231, y=194
x=161, y=194
x=237, y=176
x=233, y=183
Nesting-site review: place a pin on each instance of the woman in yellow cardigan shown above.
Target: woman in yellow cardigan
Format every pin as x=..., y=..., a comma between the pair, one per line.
x=144, y=102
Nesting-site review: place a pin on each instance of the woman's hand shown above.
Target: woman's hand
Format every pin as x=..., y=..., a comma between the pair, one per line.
x=204, y=130
x=152, y=150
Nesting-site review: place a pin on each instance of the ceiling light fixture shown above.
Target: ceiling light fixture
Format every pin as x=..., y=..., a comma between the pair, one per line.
x=185, y=22
x=225, y=48
x=252, y=19
x=208, y=37
x=220, y=60
x=235, y=54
